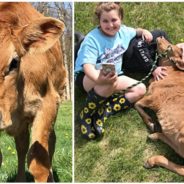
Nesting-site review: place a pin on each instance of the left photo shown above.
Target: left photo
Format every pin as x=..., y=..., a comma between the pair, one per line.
x=36, y=92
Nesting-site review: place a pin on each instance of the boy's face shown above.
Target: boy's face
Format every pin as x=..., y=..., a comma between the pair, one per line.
x=110, y=22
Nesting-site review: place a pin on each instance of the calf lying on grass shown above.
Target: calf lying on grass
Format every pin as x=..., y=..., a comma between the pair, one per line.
x=166, y=98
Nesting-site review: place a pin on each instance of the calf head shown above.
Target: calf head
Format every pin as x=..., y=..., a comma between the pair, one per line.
x=18, y=43
x=171, y=55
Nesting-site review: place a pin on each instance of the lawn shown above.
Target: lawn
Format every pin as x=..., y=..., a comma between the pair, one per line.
x=120, y=155
x=62, y=161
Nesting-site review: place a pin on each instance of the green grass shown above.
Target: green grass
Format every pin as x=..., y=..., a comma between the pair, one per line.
x=120, y=155
x=62, y=161
x=157, y=15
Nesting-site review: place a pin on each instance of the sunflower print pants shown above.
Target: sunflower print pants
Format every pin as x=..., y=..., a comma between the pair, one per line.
x=93, y=103
x=115, y=103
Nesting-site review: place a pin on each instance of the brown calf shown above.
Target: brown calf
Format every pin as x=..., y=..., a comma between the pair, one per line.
x=32, y=79
x=166, y=98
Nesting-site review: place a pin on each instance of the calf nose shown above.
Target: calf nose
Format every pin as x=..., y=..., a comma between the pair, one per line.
x=4, y=123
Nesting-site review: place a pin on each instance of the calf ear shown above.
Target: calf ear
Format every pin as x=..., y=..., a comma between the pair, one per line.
x=40, y=35
x=178, y=62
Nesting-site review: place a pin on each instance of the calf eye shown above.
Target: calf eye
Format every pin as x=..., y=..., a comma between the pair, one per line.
x=13, y=65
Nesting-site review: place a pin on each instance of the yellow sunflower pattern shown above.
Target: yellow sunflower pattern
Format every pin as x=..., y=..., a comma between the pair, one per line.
x=114, y=99
x=100, y=111
x=91, y=135
x=117, y=107
x=81, y=115
x=91, y=105
x=88, y=120
x=122, y=100
x=83, y=129
x=109, y=109
x=86, y=110
x=99, y=122
x=108, y=103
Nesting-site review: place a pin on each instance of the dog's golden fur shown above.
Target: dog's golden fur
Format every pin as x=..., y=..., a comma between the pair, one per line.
x=30, y=94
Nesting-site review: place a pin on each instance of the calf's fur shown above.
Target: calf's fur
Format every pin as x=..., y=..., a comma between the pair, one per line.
x=30, y=94
x=166, y=98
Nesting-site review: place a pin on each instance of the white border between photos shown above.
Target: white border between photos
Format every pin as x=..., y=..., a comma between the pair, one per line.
x=73, y=99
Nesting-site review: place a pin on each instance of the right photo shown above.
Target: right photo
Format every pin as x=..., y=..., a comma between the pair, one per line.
x=128, y=92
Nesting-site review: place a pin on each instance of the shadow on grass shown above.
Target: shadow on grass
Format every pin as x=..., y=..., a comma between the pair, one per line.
x=29, y=177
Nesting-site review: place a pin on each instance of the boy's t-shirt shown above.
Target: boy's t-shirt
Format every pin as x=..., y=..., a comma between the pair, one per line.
x=98, y=48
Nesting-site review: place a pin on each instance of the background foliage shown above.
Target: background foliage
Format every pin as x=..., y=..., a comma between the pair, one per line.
x=119, y=156
x=166, y=16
